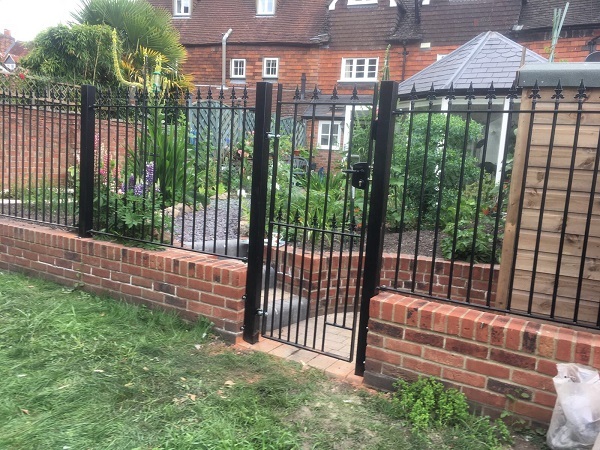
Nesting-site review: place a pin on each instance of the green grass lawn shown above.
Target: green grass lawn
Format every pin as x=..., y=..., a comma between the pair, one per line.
x=79, y=372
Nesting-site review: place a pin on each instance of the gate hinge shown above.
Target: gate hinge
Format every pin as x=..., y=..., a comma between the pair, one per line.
x=262, y=313
x=374, y=129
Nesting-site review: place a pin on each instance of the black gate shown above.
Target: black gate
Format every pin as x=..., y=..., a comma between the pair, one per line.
x=307, y=255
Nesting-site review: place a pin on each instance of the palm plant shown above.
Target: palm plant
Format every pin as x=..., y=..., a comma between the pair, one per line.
x=146, y=33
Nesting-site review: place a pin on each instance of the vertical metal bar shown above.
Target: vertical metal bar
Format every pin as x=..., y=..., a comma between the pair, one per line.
x=378, y=205
x=563, y=231
x=86, y=189
x=536, y=254
x=258, y=205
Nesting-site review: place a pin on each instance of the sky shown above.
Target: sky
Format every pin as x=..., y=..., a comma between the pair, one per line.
x=26, y=18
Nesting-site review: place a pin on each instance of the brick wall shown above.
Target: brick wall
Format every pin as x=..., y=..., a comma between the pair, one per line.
x=36, y=144
x=499, y=362
x=461, y=273
x=188, y=283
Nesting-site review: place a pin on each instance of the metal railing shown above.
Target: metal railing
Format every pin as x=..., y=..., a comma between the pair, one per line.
x=40, y=128
x=455, y=234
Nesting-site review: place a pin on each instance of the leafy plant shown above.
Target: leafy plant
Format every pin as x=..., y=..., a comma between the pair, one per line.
x=427, y=404
x=474, y=228
x=428, y=160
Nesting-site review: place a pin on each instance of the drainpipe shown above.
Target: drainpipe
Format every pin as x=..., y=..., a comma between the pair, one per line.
x=224, y=56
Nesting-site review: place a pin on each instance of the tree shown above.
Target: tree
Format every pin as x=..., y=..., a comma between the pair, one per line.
x=147, y=35
x=78, y=54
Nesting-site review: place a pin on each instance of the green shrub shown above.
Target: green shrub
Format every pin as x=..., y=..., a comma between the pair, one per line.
x=427, y=405
x=417, y=163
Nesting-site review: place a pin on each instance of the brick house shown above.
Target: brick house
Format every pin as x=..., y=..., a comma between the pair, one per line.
x=11, y=51
x=343, y=43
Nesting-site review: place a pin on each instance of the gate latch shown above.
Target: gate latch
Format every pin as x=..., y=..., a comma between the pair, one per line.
x=360, y=174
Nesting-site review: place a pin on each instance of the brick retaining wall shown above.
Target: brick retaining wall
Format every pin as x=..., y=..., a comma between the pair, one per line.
x=499, y=362
x=189, y=283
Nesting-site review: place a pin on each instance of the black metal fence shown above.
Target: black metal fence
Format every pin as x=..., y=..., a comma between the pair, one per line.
x=39, y=144
x=455, y=159
x=169, y=171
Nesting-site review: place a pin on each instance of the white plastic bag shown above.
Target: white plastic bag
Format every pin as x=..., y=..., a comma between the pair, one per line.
x=575, y=422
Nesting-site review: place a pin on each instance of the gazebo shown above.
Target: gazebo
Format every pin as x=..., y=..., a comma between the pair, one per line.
x=483, y=67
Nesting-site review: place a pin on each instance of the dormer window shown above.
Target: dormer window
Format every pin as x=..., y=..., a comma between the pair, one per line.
x=265, y=7
x=182, y=8
x=362, y=2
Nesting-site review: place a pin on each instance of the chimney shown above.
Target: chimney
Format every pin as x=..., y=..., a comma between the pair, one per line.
x=7, y=32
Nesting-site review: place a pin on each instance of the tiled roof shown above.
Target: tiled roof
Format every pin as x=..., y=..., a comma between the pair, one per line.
x=294, y=22
x=362, y=27
x=538, y=14
x=489, y=57
x=446, y=22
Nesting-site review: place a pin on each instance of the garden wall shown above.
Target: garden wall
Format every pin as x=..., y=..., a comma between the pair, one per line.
x=190, y=284
x=36, y=142
x=499, y=362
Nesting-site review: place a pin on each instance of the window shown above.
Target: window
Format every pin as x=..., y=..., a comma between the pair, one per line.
x=359, y=69
x=182, y=8
x=329, y=134
x=265, y=7
x=238, y=68
x=362, y=2
x=270, y=67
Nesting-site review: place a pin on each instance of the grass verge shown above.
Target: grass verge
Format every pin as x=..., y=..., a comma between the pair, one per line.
x=80, y=372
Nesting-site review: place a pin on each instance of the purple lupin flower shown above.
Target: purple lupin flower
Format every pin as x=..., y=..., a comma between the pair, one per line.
x=131, y=182
x=138, y=190
x=149, y=173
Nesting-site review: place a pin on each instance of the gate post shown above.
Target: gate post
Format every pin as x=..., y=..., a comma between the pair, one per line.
x=258, y=207
x=86, y=160
x=380, y=182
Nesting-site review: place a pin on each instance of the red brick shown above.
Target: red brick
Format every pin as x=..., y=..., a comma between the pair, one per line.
x=498, y=330
x=440, y=316
x=484, y=397
x=423, y=367
x=189, y=294
x=583, y=348
x=530, y=410
x=424, y=338
x=212, y=299
x=482, y=329
x=443, y=357
x=453, y=322
x=546, y=367
x=228, y=291
x=564, y=344
x=402, y=346
x=120, y=277
x=386, y=329
x=546, y=341
x=544, y=398
x=201, y=308
x=468, y=323
x=532, y=380
x=379, y=354
x=512, y=359
x=200, y=285
x=486, y=368
x=426, y=316
x=514, y=330
x=466, y=348
x=460, y=376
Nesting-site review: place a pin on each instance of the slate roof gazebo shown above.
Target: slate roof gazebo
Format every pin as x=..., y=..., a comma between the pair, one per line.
x=483, y=67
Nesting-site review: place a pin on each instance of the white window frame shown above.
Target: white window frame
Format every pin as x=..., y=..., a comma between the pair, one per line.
x=361, y=2
x=353, y=71
x=235, y=72
x=266, y=73
x=265, y=7
x=179, y=8
x=330, y=134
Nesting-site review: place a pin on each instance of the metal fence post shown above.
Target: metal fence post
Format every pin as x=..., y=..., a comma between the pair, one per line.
x=86, y=161
x=380, y=175
x=258, y=208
